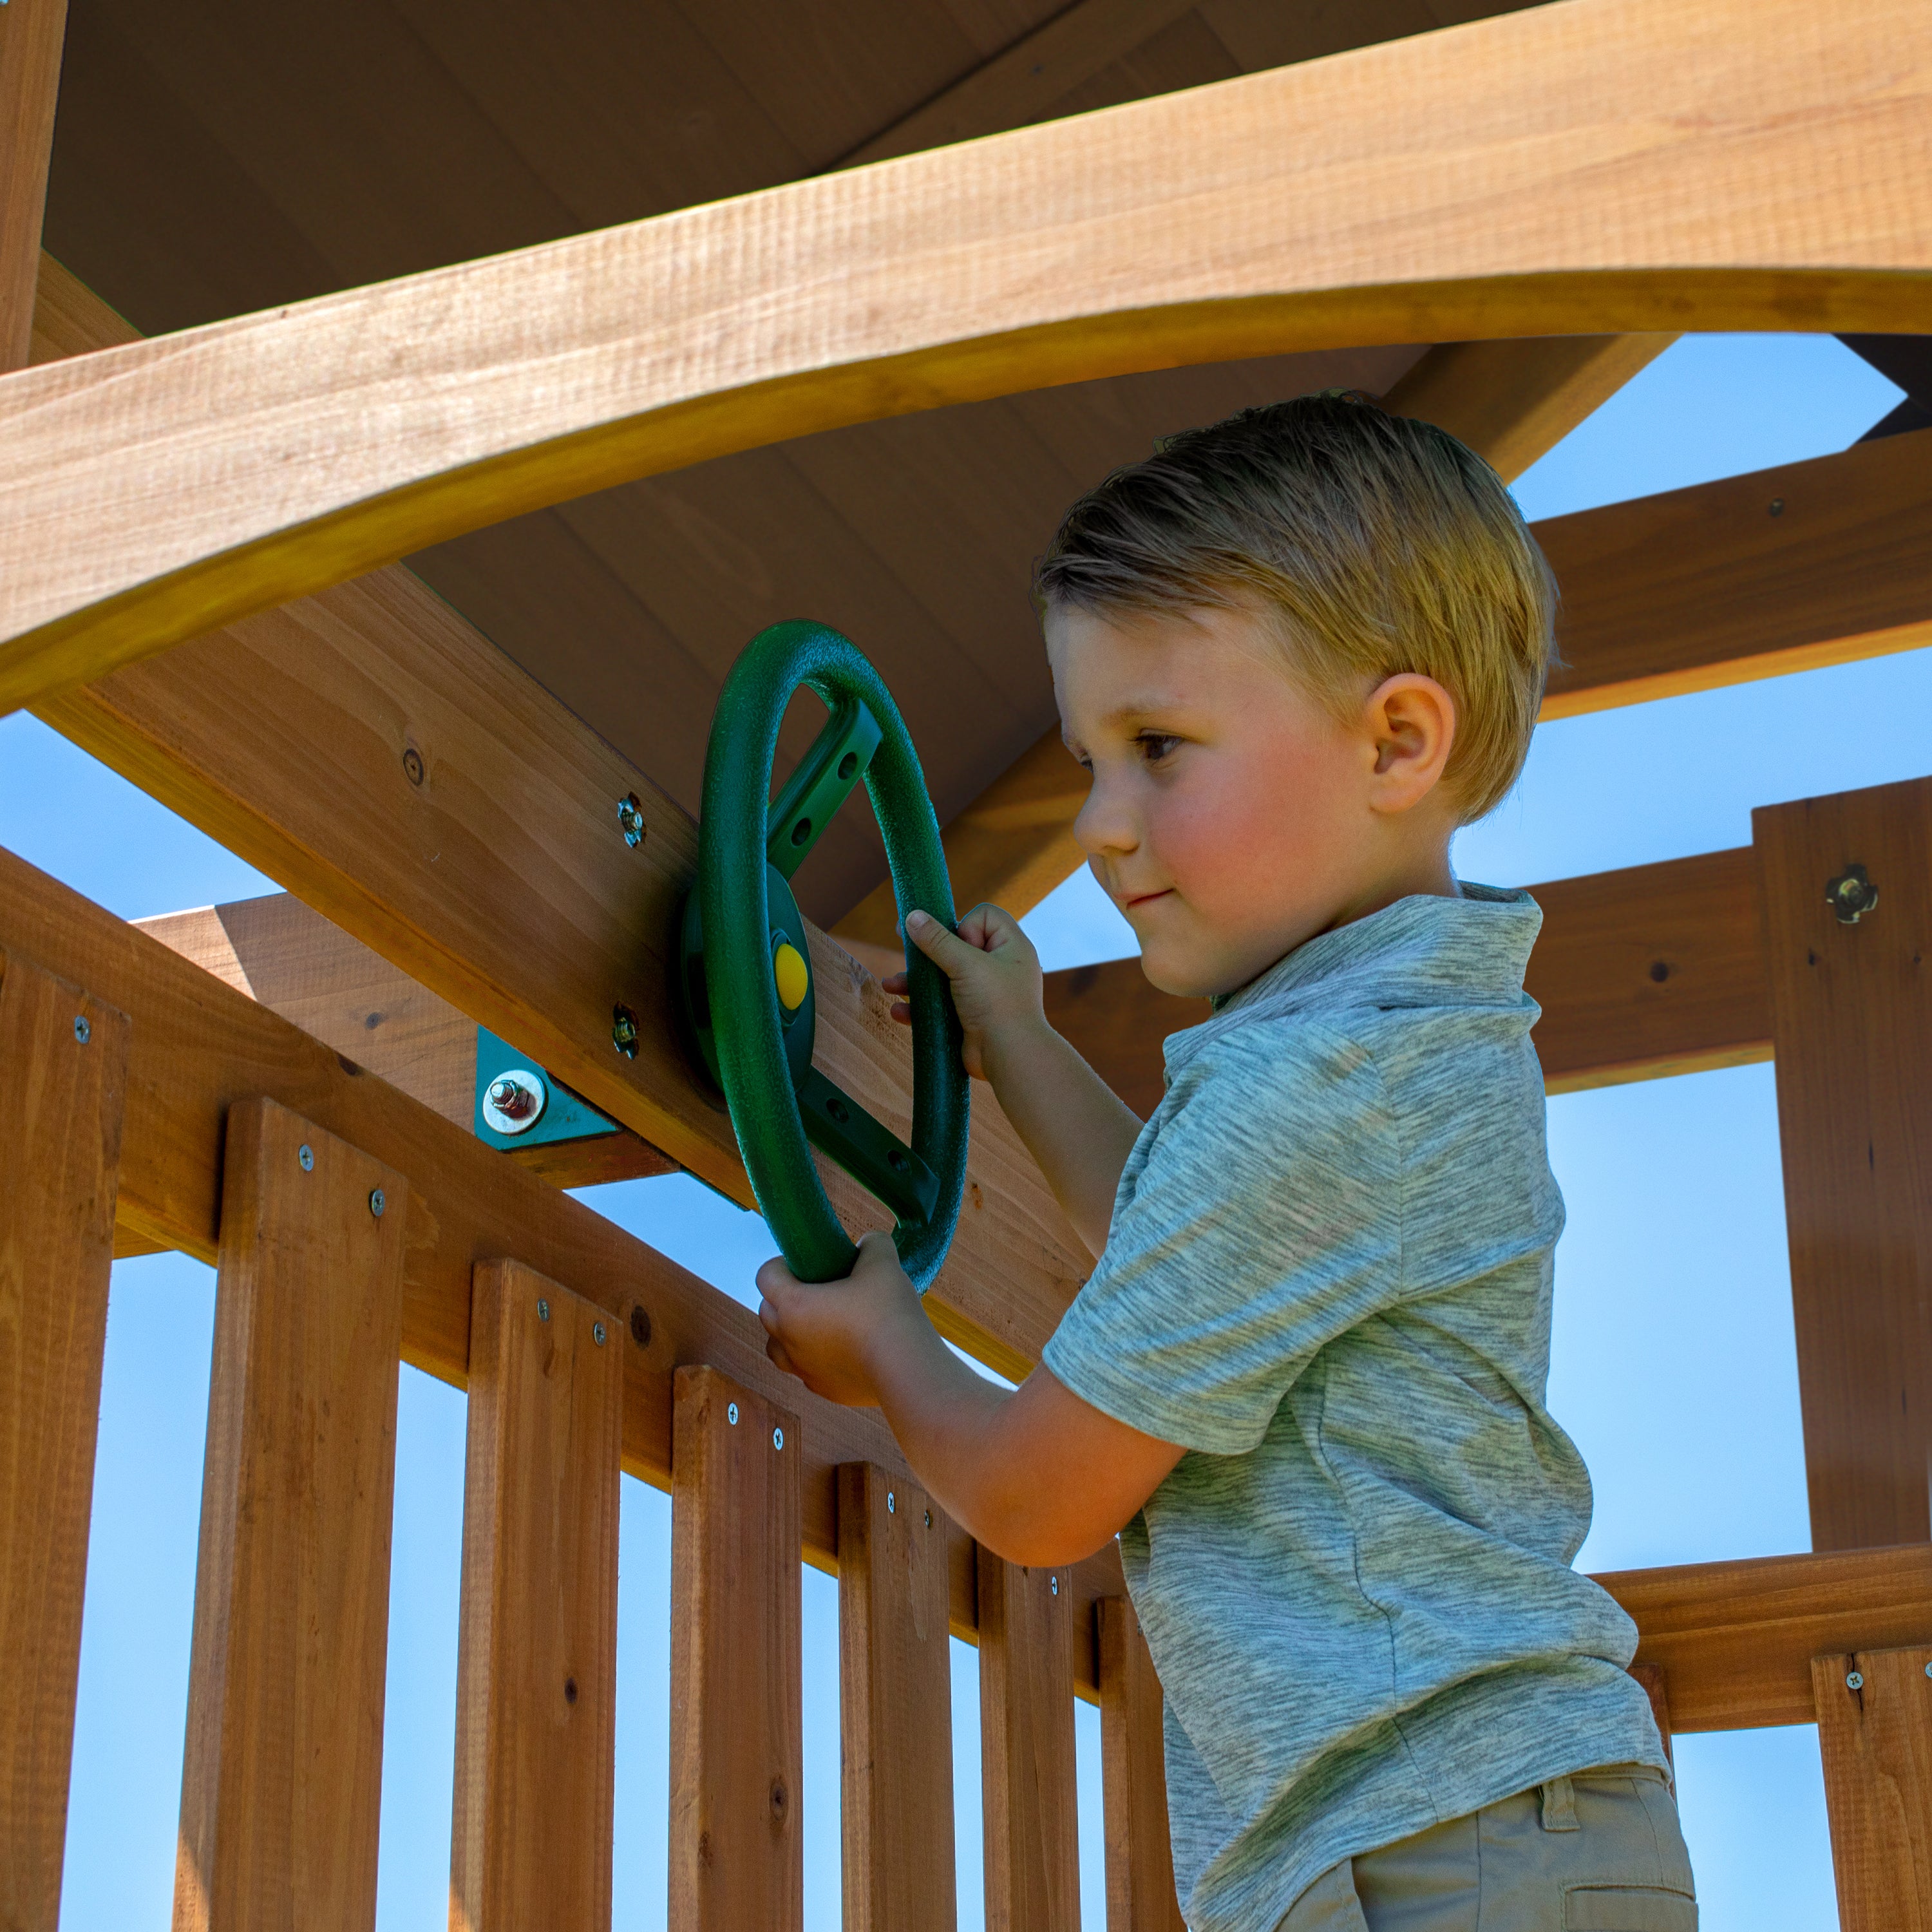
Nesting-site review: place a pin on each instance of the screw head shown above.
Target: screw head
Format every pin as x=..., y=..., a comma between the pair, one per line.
x=1053, y=1584
x=1851, y=895
x=376, y=1202
x=624, y=1030
x=306, y=1155
x=598, y=1333
x=929, y=1518
x=543, y=1308
x=731, y=1414
x=82, y=1031
x=1854, y=1680
x=413, y=764
x=891, y=1503
x=631, y=820
x=1778, y=506
x=778, y=1439
x=1928, y=1670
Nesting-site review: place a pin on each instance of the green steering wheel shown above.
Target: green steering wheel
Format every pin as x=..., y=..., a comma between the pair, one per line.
x=745, y=976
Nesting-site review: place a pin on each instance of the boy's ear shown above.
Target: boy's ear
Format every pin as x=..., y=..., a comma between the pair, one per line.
x=1412, y=721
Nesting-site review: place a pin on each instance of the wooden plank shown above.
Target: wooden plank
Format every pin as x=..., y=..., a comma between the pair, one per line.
x=60, y=1155
x=736, y=1851
x=536, y=1696
x=502, y=882
x=1855, y=1126
x=282, y=1780
x=1875, y=1736
x=1140, y=1860
x=1812, y=563
x=1028, y=1805
x=1775, y=180
x=197, y=1047
x=32, y=33
x=1512, y=401
x=895, y=1706
x=1651, y=1676
x=1735, y=1641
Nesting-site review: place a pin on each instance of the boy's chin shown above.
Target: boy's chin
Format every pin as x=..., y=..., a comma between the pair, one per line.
x=1173, y=969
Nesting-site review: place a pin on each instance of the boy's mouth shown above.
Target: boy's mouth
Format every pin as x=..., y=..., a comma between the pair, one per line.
x=1133, y=899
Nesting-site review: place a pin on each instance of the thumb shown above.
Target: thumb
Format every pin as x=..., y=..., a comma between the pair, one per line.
x=946, y=950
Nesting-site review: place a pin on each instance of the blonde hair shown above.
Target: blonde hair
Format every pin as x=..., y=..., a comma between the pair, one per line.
x=1380, y=544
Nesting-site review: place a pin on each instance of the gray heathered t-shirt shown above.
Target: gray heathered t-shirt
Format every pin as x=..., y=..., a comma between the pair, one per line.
x=1328, y=1276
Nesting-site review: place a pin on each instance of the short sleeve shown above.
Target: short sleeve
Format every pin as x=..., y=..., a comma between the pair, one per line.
x=1259, y=1217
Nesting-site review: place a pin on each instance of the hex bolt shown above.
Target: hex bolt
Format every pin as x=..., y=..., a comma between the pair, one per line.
x=1854, y=1680
x=631, y=820
x=376, y=1202
x=543, y=1309
x=624, y=1030
x=1851, y=895
x=892, y=1504
x=82, y=1031
x=731, y=1414
x=306, y=1155
x=597, y=1332
x=778, y=1439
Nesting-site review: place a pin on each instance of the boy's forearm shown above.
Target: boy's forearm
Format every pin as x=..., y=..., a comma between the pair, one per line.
x=1073, y=1124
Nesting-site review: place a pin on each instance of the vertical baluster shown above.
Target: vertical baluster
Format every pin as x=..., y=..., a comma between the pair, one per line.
x=1140, y=1862
x=1875, y=1735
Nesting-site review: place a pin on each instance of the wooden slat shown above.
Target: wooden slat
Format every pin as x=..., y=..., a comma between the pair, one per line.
x=502, y=882
x=895, y=1706
x=1651, y=1676
x=1813, y=563
x=1853, y=1035
x=1735, y=1641
x=536, y=1697
x=1028, y=1800
x=1875, y=1736
x=60, y=1154
x=1769, y=185
x=31, y=35
x=736, y=1851
x=282, y=1780
x=1140, y=1860
x=197, y=1047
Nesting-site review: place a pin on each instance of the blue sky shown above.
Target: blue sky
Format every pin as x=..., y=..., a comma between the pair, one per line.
x=1673, y=1363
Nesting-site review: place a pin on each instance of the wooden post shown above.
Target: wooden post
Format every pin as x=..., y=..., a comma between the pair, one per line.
x=895, y=1708
x=282, y=1775
x=1140, y=1861
x=1852, y=1024
x=65, y=1058
x=736, y=1857
x=1651, y=1676
x=1026, y=1741
x=536, y=1677
x=1875, y=1735
x=31, y=34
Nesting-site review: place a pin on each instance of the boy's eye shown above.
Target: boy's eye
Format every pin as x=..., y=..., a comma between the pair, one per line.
x=1156, y=746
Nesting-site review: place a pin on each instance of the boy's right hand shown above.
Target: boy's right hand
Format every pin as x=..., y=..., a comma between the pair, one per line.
x=996, y=980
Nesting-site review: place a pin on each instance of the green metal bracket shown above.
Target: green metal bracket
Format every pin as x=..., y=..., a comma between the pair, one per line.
x=538, y=1110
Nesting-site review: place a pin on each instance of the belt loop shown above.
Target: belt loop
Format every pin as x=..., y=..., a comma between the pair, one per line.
x=1559, y=1805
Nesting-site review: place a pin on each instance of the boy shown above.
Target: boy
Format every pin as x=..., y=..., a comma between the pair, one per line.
x=1305, y=1383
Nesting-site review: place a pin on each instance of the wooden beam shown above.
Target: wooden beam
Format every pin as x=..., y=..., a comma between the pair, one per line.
x=196, y=1048
x=282, y=1781
x=375, y=754
x=32, y=33
x=1140, y=1859
x=1855, y=1125
x=65, y=1054
x=1735, y=1641
x=895, y=1706
x=536, y=1689
x=1875, y=1736
x=737, y=1851
x=1773, y=182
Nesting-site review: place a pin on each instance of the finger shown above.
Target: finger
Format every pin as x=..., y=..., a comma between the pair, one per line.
x=893, y=982
x=902, y=1012
x=776, y=1282
x=945, y=949
x=774, y=1353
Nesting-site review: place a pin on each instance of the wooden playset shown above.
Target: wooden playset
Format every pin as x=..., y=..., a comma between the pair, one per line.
x=416, y=407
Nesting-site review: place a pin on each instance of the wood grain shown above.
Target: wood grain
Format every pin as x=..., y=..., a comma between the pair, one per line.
x=197, y=1047
x=60, y=1153
x=1773, y=182
x=1140, y=1860
x=282, y=1780
x=536, y=1696
x=31, y=34
x=1655, y=1687
x=1026, y=1745
x=1735, y=1641
x=895, y=1706
x=1877, y=1743
x=1852, y=1030
x=736, y=1851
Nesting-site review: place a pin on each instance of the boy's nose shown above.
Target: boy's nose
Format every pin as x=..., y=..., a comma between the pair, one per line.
x=1105, y=825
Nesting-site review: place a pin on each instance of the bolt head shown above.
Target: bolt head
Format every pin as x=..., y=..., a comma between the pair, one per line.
x=1851, y=895
x=306, y=1155
x=624, y=1030
x=631, y=820
x=1854, y=1680
x=597, y=1332
x=778, y=1439
x=515, y=1100
x=892, y=1504
x=543, y=1309
x=82, y=1031
x=376, y=1202
x=731, y=1414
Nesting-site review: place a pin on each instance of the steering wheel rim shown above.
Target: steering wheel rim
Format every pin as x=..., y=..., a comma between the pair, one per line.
x=780, y=1106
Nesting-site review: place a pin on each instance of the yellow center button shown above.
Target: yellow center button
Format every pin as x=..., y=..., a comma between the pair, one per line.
x=793, y=977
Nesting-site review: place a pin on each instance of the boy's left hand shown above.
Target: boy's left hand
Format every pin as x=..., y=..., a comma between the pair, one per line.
x=836, y=1336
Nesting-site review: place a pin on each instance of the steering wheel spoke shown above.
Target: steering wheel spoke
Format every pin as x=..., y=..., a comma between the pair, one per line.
x=838, y=760
x=867, y=1149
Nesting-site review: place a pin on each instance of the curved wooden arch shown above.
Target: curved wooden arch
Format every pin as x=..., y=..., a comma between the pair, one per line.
x=1589, y=165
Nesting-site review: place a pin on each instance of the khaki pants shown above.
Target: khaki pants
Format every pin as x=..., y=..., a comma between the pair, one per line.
x=1599, y=1852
